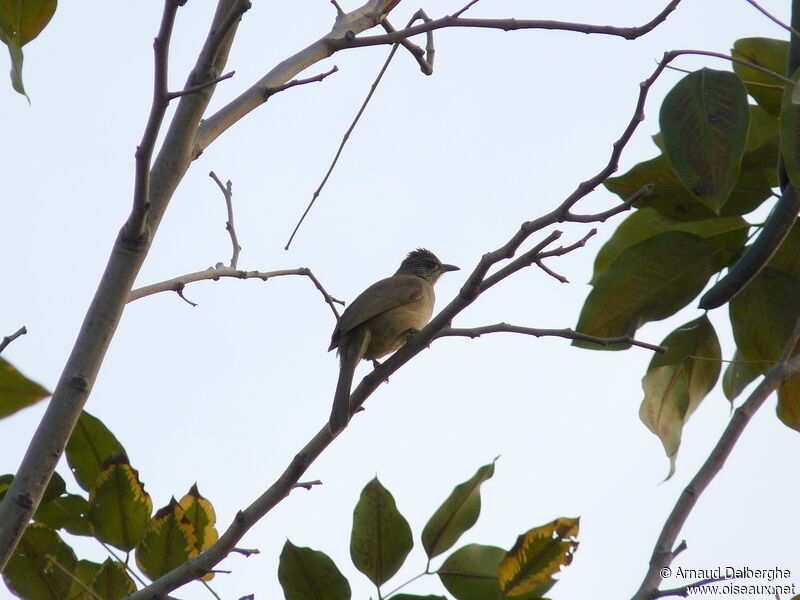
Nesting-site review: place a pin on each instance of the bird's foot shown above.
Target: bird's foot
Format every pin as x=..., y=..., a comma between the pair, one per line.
x=411, y=334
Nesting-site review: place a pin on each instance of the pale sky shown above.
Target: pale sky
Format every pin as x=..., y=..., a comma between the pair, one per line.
x=225, y=393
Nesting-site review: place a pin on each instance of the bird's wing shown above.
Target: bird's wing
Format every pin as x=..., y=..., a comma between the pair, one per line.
x=378, y=298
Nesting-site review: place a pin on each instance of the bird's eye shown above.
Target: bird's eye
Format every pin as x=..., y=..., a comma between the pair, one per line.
x=430, y=265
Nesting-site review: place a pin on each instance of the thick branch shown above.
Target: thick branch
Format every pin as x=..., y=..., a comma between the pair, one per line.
x=662, y=557
x=103, y=315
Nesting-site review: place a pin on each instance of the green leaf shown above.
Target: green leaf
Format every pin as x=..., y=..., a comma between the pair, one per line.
x=381, y=537
x=90, y=444
x=739, y=374
x=112, y=581
x=20, y=22
x=677, y=381
x=306, y=574
x=457, y=514
x=415, y=597
x=771, y=54
x=704, y=121
x=470, y=573
x=763, y=315
x=790, y=134
x=119, y=507
x=83, y=575
x=725, y=232
x=648, y=282
x=537, y=556
x=65, y=512
x=169, y=541
x=674, y=201
x=42, y=565
x=16, y=390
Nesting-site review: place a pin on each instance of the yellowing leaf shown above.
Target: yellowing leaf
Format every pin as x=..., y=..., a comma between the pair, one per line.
x=200, y=516
x=168, y=542
x=119, y=507
x=678, y=380
x=537, y=556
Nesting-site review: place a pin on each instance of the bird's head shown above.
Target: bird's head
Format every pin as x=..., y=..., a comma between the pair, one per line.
x=423, y=263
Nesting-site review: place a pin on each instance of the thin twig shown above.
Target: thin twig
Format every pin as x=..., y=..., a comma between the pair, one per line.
x=246, y=552
x=196, y=88
x=307, y=484
x=465, y=9
x=771, y=17
x=208, y=587
x=423, y=58
x=227, y=192
x=346, y=136
x=662, y=556
x=135, y=227
x=130, y=571
x=295, y=82
x=567, y=333
x=10, y=338
x=214, y=273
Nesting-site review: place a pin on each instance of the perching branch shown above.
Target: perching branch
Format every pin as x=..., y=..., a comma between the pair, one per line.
x=786, y=368
x=177, y=284
x=288, y=480
x=10, y=338
x=227, y=192
x=295, y=82
x=568, y=333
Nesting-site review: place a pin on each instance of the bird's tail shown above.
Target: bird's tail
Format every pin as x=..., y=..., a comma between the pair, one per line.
x=351, y=352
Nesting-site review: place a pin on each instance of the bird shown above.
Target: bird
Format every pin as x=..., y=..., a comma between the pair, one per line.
x=381, y=319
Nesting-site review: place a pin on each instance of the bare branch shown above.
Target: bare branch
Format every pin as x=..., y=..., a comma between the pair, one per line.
x=201, y=86
x=215, y=273
x=662, y=556
x=465, y=9
x=295, y=82
x=346, y=136
x=772, y=18
x=246, y=552
x=135, y=228
x=424, y=58
x=227, y=192
x=568, y=333
x=629, y=33
x=10, y=338
x=307, y=484
x=105, y=311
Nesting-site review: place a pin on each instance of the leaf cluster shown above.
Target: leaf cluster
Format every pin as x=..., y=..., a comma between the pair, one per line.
x=718, y=163
x=381, y=539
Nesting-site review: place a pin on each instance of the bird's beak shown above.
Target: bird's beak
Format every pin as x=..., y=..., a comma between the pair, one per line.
x=446, y=268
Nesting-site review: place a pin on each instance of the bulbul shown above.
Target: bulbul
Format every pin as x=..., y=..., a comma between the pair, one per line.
x=380, y=320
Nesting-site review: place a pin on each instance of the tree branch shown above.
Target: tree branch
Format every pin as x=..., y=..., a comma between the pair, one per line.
x=10, y=338
x=227, y=192
x=135, y=227
x=103, y=315
x=568, y=333
x=343, y=36
x=177, y=284
x=786, y=368
x=280, y=489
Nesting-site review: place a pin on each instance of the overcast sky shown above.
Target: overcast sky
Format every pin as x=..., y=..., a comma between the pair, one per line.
x=225, y=393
